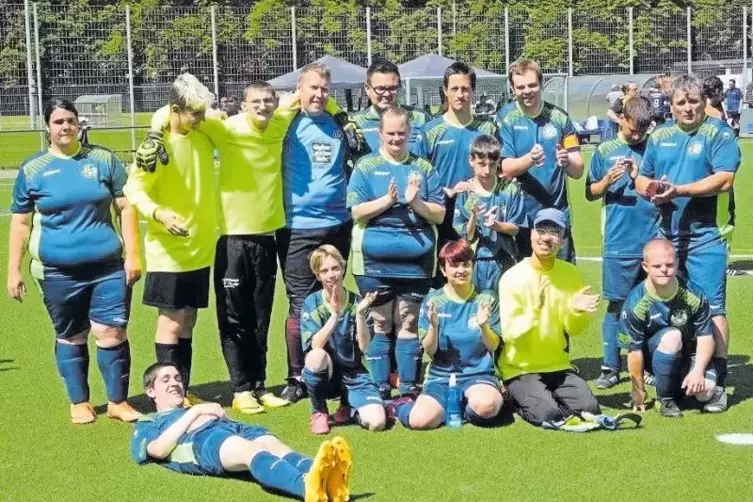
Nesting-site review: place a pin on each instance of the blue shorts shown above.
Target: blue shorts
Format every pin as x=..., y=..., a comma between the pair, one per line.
x=487, y=272
x=358, y=389
x=706, y=269
x=437, y=389
x=389, y=288
x=619, y=276
x=207, y=442
x=96, y=292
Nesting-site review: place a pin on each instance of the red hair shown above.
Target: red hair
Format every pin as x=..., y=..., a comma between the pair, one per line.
x=456, y=252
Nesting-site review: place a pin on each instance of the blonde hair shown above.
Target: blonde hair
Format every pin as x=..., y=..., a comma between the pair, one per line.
x=523, y=66
x=322, y=253
x=318, y=68
x=394, y=111
x=188, y=93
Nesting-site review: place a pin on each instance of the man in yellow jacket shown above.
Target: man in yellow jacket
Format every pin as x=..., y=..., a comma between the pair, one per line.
x=542, y=302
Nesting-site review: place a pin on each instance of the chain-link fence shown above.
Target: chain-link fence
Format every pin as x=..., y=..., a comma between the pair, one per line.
x=130, y=54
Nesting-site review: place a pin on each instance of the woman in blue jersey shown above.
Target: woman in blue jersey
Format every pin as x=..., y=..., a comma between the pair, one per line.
x=396, y=201
x=459, y=329
x=335, y=336
x=68, y=191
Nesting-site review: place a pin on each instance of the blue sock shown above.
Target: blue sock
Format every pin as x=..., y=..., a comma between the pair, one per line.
x=300, y=462
x=115, y=366
x=316, y=383
x=610, y=328
x=402, y=412
x=408, y=353
x=666, y=370
x=276, y=474
x=378, y=355
x=73, y=365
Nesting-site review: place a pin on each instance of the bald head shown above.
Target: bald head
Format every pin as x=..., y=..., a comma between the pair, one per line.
x=655, y=247
x=659, y=263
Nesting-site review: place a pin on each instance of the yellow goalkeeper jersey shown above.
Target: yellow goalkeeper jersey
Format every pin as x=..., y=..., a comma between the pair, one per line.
x=186, y=186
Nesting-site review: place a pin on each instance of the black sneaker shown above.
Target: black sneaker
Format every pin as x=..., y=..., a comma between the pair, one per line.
x=294, y=391
x=608, y=379
x=717, y=403
x=668, y=408
x=386, y=392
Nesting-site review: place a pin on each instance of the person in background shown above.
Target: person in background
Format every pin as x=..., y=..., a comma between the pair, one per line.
x=733, y=102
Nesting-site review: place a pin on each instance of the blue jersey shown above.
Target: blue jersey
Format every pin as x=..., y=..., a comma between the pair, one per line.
x=368, y=121
x=544, y=186
x=502, y=113
x=691, y=222
x=398, y=243
x=342, y=345
x=448, y=146
x=182, y=458
x=628, y=220
x=644, y=314
x=71, y=199
x=733, y=98
x=659, y=104
x=461, y=349
x=314, y=176
x=507, y=201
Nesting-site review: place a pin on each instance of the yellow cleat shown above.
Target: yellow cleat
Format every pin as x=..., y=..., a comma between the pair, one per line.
x=317, y=479
x=269, y=400
x=82, y=413
x=191, y=400
x=245, y=402
x=122, y=411
x=338, y=488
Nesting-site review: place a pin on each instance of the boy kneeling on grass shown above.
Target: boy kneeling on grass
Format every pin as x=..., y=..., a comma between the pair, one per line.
x=201, y=440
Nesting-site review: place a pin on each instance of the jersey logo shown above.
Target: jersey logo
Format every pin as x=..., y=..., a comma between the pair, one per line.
x=338, y=135
x=679, y=318
x=668, y=145
x=322, y=153
x=549, y=132
x=695, y=148
x=230, y=283
x=520, y=128
x=416, y=138
x=446, y=142
x=381, y=173
x=51, y=173
x=89, y=171
x=305, y=316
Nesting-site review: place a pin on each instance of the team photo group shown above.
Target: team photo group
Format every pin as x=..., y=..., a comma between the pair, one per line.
x=456, y=229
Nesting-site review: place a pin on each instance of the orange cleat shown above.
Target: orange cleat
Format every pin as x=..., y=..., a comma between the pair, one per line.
x=83, y=413
x=122, y=411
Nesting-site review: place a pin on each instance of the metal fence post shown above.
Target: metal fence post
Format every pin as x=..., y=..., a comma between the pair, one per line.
x=130, y=76
x=292, y=34
x=744, y=84
x=439, y=30
x=690, y=40
x=507, y=40
x=215, y=66
x=368, y=35
x=570, y=41
x=29, y=67
x=39, y=77
x=630, y=40
x=454, y=26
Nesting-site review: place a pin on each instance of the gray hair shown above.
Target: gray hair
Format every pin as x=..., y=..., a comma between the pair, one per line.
x=686, y=84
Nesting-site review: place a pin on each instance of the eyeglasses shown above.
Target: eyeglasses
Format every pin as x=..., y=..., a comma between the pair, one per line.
x=552, y=233
x=381, y=90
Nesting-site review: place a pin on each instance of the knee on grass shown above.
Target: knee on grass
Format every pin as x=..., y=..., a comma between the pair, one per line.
x=372, y=417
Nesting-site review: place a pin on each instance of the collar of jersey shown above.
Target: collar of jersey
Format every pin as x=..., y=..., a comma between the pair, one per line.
x=394, y=162
x=461, y=126
x=454, y=298
x=656, y=296
x=530, y=115
x=60, y=156
x=694, y=130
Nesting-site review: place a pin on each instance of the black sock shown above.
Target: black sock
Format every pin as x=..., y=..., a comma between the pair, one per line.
x=185, y=353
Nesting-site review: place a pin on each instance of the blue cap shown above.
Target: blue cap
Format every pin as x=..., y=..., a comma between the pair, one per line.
x=551, y=215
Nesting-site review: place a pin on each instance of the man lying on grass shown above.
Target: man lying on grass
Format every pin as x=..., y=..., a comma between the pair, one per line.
x=201, y=440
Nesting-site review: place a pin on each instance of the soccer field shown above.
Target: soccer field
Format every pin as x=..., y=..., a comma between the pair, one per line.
x=44, y=457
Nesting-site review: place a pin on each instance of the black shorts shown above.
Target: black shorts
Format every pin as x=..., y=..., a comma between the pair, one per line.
x=177, y=290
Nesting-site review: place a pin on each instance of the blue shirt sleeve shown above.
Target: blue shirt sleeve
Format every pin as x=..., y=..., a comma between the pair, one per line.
x=434, y=188
x=702, y=324
x=725, y=152
x=144, y=433
x=22, y=202
x=310, y=322
x=359, y=190
x=420, y=146
x=516, y=209
x=461, y=216
x=632, y=330
x=595, y=169
x=118, y=177
x=508, y=143
x=648, y=163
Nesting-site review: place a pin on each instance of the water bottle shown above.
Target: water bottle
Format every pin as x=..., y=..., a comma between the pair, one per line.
x=452, y=406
